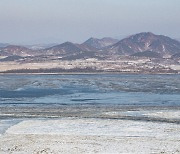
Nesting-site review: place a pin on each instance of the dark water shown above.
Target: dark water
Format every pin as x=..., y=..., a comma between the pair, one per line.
x=54, y=90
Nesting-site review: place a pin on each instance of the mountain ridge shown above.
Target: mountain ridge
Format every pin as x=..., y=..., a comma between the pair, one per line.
x=100, y=43
x=145, y=41
x=144, y=44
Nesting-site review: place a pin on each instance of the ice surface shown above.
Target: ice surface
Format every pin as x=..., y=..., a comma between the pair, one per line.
x=92, y=89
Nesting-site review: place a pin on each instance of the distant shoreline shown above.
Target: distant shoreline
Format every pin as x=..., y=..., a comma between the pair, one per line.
x=90, y=73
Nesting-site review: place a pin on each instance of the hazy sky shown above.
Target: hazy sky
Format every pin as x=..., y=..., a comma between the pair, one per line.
x=56, y=21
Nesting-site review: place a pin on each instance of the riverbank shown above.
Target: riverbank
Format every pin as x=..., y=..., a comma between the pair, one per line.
x=79, y=135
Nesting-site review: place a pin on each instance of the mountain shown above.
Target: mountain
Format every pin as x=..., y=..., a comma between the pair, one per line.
x=149, y=54
x=2, y=45
x=100, y=43
x=86, y=47
x=69, y=51
x=176, y=55
x=40, y=46
x=64, y=49
x=12, y=50
x=145, y=43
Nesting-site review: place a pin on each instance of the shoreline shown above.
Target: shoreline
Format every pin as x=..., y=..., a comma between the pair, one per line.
x=91, y=73
x=81, y=135
x=159, y=114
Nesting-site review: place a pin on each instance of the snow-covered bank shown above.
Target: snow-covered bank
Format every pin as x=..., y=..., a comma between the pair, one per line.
x=7, y=123
x=85, y=127
x=74, y=135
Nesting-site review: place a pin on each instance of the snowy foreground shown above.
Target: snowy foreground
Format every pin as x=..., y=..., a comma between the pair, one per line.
x=90, y=135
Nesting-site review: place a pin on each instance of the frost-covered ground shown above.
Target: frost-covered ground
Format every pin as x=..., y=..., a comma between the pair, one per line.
x=90, y=135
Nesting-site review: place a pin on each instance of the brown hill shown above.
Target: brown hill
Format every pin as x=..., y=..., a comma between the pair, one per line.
x=163, y=45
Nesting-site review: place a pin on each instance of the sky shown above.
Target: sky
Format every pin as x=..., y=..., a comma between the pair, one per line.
x=57, y=21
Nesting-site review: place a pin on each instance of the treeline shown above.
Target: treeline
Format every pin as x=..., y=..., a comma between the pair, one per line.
x=54, y=70
x=91, y=70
